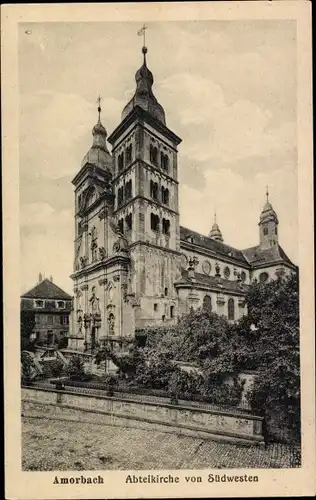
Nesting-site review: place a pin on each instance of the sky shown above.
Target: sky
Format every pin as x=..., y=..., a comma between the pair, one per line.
x=228, y=89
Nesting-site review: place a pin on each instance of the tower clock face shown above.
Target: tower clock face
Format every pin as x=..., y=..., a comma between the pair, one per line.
x=206, y=267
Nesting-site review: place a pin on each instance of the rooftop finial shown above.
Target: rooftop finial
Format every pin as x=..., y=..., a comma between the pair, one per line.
x=142, y=32
x=215, y=216
x=267, y=193
x=99, y=108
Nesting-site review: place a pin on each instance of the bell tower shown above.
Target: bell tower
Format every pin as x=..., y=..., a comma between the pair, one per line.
x=268, y=225
x=146, y=207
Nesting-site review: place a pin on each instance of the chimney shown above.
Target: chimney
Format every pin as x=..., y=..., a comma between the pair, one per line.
x=40, y=277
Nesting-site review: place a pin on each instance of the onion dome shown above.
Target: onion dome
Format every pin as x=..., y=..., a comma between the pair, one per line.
x=99, y=154
x=215, y=232
x=144, y=96
x=268, y=214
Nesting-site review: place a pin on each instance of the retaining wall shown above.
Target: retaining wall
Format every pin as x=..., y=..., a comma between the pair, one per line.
x=171, y=418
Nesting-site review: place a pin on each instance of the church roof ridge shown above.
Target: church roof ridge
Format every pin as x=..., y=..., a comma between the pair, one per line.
x=211, y=244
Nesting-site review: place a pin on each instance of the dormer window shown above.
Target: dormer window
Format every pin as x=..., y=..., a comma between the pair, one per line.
x=39, y=303
x=60, y=304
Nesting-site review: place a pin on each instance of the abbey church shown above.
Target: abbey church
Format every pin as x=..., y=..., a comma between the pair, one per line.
x=134, y=265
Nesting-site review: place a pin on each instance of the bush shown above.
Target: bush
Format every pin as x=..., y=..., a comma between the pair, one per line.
x=76, y=368
x=57, y=368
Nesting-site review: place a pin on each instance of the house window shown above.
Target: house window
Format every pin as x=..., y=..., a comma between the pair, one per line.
x=166, y=292
x=154, y=222
x=155, y=307
x=39, y=303
x=265, y=231
x=166, y=226
x=276, y=230
x=207, y=304
x=64, y=320
x=171, y=311
x=129, y=222
x=49, y=319
x=231, y=309
x=154, y=190
x=60, y=304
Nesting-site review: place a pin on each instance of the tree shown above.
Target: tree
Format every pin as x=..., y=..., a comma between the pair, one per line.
x=27, y=325
x=274, y=310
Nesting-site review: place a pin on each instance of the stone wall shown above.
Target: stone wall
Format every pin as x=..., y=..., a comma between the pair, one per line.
x=230, y=426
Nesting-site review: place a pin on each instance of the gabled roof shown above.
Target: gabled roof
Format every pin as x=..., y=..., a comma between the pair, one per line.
x=46, y=289
x=214, y=245
x=257, y=256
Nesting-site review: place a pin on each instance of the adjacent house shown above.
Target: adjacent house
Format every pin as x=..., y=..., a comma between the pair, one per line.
x=45, y=311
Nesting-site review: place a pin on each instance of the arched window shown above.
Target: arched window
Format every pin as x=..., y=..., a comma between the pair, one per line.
x=207, y=304
x=154, y=222
x=164, y=160
x=265, y=231
x=166, y=226
x=128, y=190
x=227, y=272
x=154, y=190
x=153, y=154
x=120, y=161
x=129, y=222
x=111, y=323
x=120, y=196
x=165, y=195
x=128, y=154
x=231, y=309
x=121, y=226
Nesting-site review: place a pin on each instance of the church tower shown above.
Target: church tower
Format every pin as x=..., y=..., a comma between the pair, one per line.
x=145, y=185
x=268, y=225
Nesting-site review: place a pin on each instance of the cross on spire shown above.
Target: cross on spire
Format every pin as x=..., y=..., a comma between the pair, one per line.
x=142, y=32
x=267, y=193
x=99, y=106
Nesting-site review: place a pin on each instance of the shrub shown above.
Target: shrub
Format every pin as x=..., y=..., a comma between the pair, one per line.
x=76, y=368
x=57, y=368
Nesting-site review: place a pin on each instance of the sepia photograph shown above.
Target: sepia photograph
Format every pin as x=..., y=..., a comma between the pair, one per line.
x=179, y=330
x=159, y=256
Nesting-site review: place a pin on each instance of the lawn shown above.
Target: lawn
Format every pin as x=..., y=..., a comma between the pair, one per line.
x=51, y=441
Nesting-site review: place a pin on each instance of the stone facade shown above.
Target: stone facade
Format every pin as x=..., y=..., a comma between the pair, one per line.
x=134, y=264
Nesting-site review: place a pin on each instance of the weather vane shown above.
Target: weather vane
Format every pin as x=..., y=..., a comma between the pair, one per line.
x=142, y=32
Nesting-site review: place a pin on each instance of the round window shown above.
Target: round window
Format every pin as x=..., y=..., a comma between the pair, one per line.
x=263, y=277
x=227, y=272
x=243, y=276
x=206, y=267
x=184, y=260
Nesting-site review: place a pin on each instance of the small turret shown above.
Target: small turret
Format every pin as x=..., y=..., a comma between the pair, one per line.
x=268, y=225
x=99, y=154
x=215, y=232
